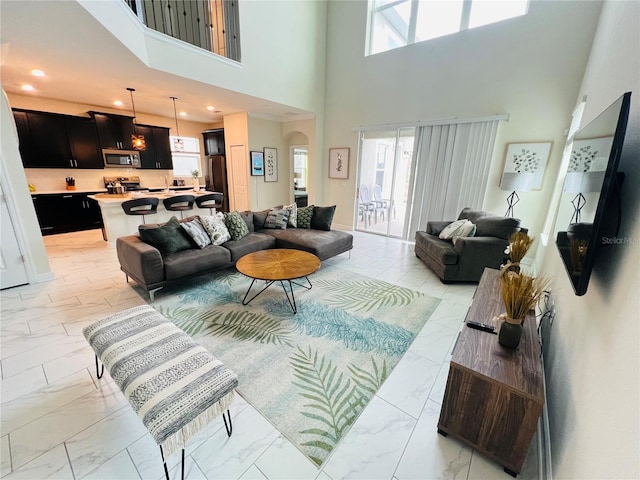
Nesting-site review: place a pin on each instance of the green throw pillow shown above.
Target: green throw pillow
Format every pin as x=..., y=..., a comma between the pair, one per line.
x=168, y=238
x=304, y=216
x=322, y=217
x=237, y=226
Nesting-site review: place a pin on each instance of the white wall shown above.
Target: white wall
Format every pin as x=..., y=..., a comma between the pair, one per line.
x=529, y=67
x=264, y=195
x=282, y=44
x=14, y=185
x=593, y=386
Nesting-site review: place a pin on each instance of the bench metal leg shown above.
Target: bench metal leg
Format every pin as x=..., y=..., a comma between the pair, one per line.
x=164, y=462
x=99, y=372
x=228, y=428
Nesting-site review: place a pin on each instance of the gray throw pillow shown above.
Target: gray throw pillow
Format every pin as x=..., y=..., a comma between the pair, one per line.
x=322, y=217
x=197, y=233
x=168, y=237
x=277, y=218
x=216, y=228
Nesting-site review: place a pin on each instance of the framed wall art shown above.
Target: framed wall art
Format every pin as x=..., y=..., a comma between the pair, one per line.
x=270, y=164
x=257, y=163
x=339, y=163
x=524, y=165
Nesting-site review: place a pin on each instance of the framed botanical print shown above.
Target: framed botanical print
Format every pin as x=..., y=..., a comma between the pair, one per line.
x=270, y=164
x=339, y=163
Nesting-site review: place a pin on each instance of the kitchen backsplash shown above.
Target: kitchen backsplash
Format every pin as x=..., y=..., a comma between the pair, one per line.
x=53, y=179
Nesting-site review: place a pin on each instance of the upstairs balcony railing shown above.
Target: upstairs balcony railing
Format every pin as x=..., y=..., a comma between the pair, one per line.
x=209, y=24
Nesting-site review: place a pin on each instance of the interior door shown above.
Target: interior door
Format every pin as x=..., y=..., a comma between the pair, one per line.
x=13, y=271
x=238, y=178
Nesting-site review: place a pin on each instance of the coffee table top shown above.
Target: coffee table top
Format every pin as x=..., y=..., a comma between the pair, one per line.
x=278, y=264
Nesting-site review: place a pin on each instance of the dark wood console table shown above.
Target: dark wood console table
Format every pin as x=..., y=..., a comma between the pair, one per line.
x=494, y=395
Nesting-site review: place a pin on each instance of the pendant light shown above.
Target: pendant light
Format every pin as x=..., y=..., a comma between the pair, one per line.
x=178, y=144
x=137, y=141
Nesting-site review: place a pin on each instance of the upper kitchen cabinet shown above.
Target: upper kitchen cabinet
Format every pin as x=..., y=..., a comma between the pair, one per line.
x=213, y=141
x=49, y=140
x=114, y=131
x=157, y=154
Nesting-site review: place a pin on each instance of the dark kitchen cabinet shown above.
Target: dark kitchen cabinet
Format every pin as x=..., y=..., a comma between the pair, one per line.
x=62, y=213
x=49, y=140
x=213, y=141
x=83, y=142
x=157, y=155
x=114, y=131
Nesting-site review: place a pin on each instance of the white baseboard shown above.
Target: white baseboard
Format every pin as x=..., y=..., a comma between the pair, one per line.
x=45, y=277
x=545, y=470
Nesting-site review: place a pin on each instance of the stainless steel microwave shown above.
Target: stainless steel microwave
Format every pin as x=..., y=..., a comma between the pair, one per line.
x=121, y=158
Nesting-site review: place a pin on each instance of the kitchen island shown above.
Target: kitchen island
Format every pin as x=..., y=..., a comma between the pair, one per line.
x=118, y=224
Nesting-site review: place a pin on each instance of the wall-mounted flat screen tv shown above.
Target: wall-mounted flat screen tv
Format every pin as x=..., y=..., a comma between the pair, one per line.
x=588, y=203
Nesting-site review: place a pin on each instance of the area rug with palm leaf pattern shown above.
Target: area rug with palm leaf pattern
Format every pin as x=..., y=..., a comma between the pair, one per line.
x=312, y=373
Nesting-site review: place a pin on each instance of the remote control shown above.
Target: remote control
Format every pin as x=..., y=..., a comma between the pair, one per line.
x=481, y=326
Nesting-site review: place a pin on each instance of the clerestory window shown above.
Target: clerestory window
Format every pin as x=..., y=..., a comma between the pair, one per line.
x=396, y=23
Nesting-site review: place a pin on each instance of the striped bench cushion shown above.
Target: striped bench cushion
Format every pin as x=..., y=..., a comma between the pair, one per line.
x=175, y=385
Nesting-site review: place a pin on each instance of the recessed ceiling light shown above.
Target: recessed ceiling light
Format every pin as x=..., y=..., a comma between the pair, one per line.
x=37, y=73
x=28, y=88
x=118, y=103
x=211, y=108
x=183, y=114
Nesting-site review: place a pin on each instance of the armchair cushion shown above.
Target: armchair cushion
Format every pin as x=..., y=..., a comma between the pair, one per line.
x=499, y=227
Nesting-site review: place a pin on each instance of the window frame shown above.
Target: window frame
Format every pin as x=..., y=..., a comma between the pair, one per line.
x=373, y=11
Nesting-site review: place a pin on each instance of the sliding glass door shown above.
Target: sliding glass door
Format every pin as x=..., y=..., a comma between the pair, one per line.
x=385, y=179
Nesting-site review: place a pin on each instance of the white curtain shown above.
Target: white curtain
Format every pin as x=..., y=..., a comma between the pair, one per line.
x=452, y=169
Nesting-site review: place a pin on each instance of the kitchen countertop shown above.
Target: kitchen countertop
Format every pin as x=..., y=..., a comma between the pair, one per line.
x=65, y=191
x=104, y=190
x=116, y=199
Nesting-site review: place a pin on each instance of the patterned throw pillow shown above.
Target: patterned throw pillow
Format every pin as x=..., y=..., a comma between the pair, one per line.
x=197, y=233
x=454, y=229
x=277, y=218
x=304, y=216
x=293, y=215
x=216, y=228
x=237, y=226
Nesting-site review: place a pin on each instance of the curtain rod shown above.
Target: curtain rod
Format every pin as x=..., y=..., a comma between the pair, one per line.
x=430, y=123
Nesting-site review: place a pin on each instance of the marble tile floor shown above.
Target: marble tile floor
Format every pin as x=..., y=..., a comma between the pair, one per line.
x=59, y=421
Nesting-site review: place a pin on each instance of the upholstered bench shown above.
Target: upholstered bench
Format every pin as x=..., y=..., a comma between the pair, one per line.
x=174, y=384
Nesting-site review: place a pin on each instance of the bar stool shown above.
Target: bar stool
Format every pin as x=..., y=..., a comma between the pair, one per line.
x=141, y=206
x=179, y=203
x=210, y=201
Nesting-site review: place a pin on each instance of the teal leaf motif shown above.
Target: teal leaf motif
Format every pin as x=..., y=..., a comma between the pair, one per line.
x=240, y=325
x=366, y=295
x=356, y=333
x=334, y=403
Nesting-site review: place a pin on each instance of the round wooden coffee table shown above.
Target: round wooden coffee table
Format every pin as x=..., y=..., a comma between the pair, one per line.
x=278, y=265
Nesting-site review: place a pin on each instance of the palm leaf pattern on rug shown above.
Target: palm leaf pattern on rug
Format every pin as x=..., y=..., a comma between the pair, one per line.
x=369, y=382
x=334, y=402
x=239, y=325
x=356, y=333
x=366, y=295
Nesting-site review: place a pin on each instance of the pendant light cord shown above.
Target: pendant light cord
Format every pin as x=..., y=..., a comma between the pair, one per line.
x=133, y=105
x=175, y=115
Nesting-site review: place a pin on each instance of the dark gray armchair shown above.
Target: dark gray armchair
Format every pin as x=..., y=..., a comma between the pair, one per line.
x=465, y=259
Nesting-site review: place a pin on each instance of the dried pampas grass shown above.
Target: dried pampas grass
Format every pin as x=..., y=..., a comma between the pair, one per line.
x=520, y=293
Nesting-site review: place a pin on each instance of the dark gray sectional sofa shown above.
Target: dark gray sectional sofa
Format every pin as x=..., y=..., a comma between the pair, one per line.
x=151, y=270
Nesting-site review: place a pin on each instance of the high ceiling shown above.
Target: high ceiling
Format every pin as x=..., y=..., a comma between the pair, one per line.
x=85, y=64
